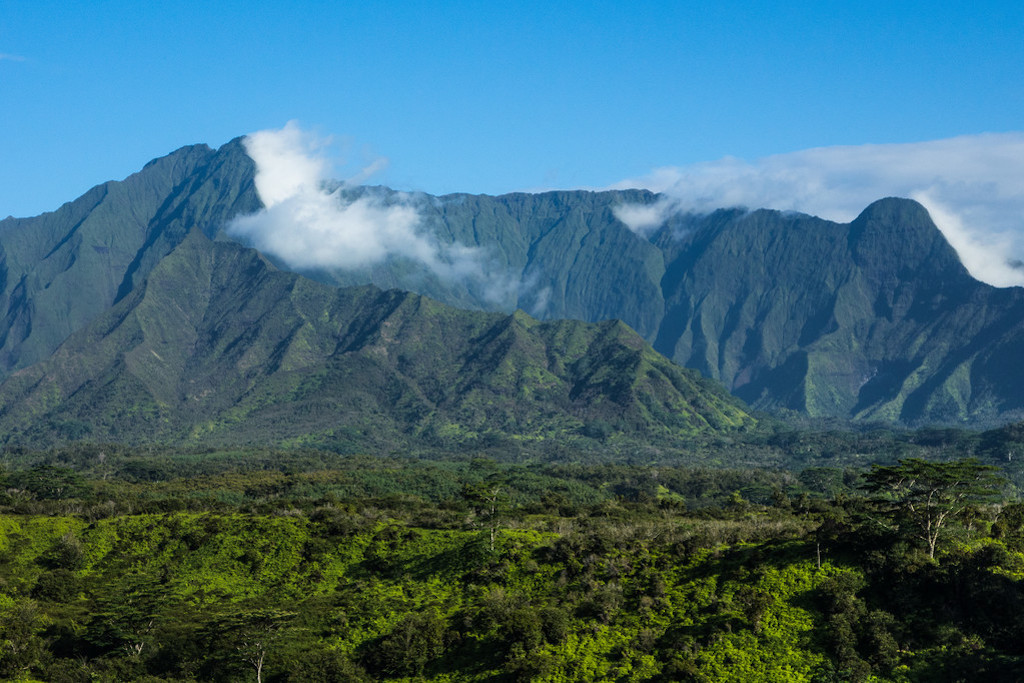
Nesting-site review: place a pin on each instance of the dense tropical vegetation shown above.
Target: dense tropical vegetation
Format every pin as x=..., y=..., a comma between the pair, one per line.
x=156, y=564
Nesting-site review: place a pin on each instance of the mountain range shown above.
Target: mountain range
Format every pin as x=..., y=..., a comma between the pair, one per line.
x=172, y=337
x=133, y=313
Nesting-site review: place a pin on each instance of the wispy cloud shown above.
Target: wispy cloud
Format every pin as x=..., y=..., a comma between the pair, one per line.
x=973, y=186
x=309, y=223
x=4, y=57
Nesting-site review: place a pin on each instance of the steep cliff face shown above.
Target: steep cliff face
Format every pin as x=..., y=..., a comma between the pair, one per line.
x=876, y=319
x=60, y=270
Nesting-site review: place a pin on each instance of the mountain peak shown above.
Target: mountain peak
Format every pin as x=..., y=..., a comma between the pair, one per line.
x=895, y=207
x=897, y=237
x=184, y=152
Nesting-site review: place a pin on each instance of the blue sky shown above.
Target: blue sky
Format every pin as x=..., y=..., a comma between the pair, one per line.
x=492, y=97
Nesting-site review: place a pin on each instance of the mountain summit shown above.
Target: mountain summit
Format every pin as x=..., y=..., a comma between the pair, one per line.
x=874, y=320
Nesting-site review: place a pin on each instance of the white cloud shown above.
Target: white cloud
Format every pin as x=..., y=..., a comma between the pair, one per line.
x=308, y=223
x=644, y=219
x=11, y=58
x=973, y=186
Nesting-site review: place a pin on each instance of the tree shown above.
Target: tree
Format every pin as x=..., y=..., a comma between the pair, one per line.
x=48, y=482
x=21, y=646
x=416, y=640
x=126, y=620
x=925, y=495
x=252, y=633
x=488, y=502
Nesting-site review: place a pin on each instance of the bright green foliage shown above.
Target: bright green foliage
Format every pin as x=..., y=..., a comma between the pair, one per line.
x=407, y=602
x=480, y=570
x=354, y=591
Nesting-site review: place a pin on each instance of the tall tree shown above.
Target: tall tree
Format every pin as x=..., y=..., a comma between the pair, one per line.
x=925, y=496
x=253, y=634
x=488, y=502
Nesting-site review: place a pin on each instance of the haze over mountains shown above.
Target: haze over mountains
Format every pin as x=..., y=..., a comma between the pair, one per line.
x=133, y=310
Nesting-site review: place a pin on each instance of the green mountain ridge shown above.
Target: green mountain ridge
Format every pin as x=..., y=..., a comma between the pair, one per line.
x=891, y=325
x=218, y=347
x=871, y=320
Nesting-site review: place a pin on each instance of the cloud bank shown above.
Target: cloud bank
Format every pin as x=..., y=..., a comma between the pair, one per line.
x=309, y=224
x=973, y=187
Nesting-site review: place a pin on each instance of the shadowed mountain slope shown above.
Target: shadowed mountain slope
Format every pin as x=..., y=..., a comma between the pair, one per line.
x=60, y=270
x=876, y=319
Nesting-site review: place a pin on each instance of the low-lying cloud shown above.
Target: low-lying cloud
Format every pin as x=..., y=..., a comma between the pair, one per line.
x=309, y=223
x=973, y=186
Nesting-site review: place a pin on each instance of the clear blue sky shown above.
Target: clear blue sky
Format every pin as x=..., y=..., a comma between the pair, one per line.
x=492, y=96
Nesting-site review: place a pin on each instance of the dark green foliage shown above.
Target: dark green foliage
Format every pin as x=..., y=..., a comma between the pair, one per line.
x=415, y=641
x=858, y=638
x=58, y=585
x=65, y=553
x=325, y=665
x=47, y=482
x=925, y=496
x=244, y=639
x=1009, y=526
x=21, y=626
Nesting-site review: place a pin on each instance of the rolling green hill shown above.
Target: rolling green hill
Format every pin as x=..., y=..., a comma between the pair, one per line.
x=217, y=346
